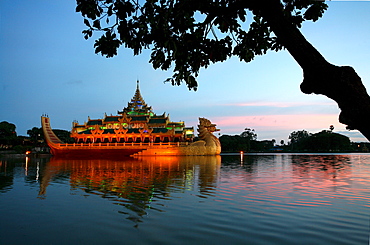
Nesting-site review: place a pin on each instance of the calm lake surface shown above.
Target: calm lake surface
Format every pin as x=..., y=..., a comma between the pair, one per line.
x=229, y=199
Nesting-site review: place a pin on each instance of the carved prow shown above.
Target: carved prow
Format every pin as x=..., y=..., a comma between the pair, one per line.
x=49, y=135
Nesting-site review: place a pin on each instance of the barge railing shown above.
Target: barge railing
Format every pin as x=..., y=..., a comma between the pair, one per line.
x=125, y=144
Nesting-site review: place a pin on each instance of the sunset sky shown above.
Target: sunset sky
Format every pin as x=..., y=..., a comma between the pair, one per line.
x=46, y=66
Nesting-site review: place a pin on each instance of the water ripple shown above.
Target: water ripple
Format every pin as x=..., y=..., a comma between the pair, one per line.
x=263, y=199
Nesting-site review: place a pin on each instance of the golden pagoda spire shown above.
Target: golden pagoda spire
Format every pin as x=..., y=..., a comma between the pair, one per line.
x=138, y=99
x=137, y=104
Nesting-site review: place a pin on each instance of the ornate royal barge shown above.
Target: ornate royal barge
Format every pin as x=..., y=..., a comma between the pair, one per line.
x=135, y=131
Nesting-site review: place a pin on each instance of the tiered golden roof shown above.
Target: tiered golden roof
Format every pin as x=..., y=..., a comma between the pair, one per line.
x=135, y=123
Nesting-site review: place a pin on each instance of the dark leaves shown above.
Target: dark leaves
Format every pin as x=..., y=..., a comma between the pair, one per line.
x=86, y=22
x=87, y=33
x=89, y=8
x=107, y=45
x=123, y=9
x=256, y=41
x=157, y=59
x=315, y=11
x=96, y=24
x=188, y=35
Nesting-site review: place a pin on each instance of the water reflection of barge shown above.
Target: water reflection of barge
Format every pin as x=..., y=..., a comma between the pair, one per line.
x=136, y=130
x=120, y=177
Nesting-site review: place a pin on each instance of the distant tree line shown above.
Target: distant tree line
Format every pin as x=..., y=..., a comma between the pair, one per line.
x=9, y=140
x=8, y=134
x=299, y=141
x=324, y=141
x=246, y=142
x=37, y=135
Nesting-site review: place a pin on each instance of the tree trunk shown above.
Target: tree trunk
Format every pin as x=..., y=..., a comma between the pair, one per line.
x=340, y=83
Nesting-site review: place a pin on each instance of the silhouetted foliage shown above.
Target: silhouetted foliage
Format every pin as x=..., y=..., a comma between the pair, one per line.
x=7, y=129
x=328, y=141
x=36, y=134
x=246, y=141
x=8, y=135
x=63, y=135
x=249, y=133
x=297, y=138
x=236, y=143
x=300, y=141
x=187, y=35
x=324, y=141
x=261, y=146
x=233, y=143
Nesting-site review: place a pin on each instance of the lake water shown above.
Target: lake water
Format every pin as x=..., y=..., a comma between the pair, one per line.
x=229, y=199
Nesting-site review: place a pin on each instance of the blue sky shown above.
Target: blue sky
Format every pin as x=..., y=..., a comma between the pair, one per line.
x=46, y=66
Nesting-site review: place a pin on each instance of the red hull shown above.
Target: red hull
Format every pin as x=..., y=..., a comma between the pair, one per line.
x=93, y=152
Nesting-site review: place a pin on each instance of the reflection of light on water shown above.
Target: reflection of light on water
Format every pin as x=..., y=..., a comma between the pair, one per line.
x=292, y=180
x=26, y=168
x=137, y=184
x=240, y=200
x=37, y=171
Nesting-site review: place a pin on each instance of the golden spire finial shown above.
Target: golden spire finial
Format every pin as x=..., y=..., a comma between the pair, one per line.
x=137, y=102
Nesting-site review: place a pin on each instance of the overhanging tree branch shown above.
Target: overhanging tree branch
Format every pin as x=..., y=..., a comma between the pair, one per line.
x=340, y=83
x=181, y=42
